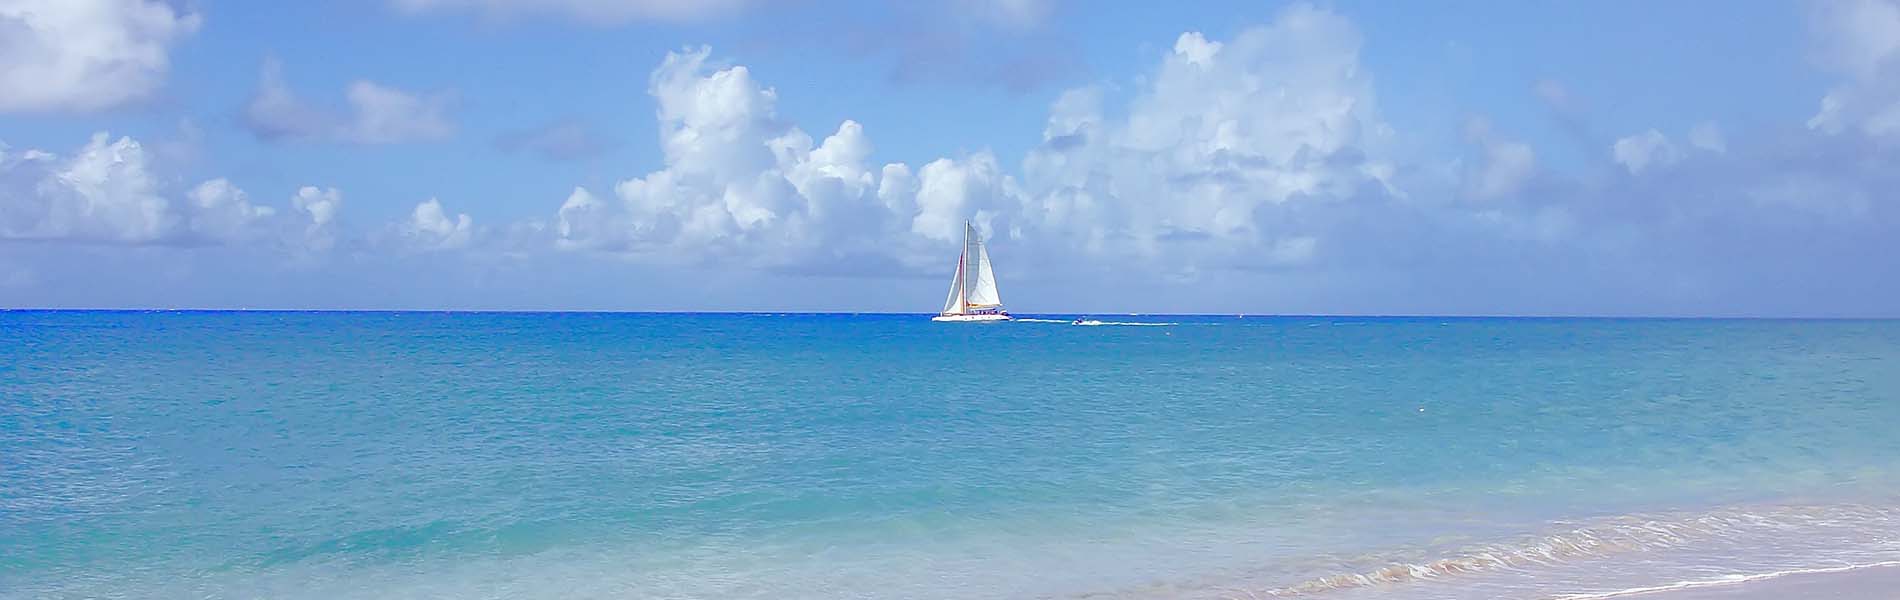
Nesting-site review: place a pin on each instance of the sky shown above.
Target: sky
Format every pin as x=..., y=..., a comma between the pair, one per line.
x=1614, y=158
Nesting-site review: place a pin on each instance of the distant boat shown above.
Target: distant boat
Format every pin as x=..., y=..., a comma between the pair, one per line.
x=973, y=294
x=1086, y=322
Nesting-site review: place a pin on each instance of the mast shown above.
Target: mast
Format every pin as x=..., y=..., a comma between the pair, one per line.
x=979, y=278
x=974, y=285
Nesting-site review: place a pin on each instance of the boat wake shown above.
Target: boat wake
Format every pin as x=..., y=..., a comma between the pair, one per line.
x=1094, y=323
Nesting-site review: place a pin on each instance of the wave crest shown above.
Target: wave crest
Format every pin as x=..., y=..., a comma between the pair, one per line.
x=1604, y=538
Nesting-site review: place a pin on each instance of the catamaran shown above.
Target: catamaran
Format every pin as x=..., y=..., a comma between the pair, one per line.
x=973, y=294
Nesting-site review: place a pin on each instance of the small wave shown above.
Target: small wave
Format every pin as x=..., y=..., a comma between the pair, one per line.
x=1724, y=581
x=1605, y=538
x=1026, y=320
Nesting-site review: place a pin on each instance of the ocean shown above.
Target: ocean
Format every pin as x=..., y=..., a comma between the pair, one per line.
x=600, y=455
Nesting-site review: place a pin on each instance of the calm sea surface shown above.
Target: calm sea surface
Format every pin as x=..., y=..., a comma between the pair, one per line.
x=430, y=455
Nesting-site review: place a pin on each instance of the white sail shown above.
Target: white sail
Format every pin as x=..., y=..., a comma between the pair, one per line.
x=954, y=304
x=983, y=290
x=973, y=295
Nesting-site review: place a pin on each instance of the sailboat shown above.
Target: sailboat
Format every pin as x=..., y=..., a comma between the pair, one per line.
x=973, y=294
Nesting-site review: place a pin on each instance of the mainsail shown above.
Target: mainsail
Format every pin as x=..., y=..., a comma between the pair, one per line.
x=983, y=289
x=974, y=287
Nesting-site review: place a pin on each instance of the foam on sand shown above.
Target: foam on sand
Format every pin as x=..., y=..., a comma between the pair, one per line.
x=1726, y=580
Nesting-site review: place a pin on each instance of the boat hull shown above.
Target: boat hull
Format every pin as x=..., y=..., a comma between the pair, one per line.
x=970, y=318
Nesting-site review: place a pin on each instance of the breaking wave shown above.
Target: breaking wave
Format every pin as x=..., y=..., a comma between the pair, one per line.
x=1619, y=535
x=1725, y=581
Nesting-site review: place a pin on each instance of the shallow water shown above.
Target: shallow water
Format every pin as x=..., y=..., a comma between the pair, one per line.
x=432, y=455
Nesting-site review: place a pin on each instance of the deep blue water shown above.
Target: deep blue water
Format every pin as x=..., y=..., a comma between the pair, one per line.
x=454, y=455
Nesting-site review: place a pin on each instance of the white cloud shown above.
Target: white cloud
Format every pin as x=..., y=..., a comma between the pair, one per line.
x=950, y=191
x=1218, y=143
x=1262, y=151
x=1645, y=150
x=109, y=193
x=1212, y=151
x=104, y=193
x=430, y=228
x=319, y=207
x=85, y=55
x=1859, y=39
x=377, y=114
x=584, y=222
x=738, y=183
x=713, y=125
x=590, y=11
x=224, y=212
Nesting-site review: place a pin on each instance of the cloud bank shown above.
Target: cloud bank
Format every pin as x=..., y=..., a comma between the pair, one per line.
x=1253, y=170
x=107, y=193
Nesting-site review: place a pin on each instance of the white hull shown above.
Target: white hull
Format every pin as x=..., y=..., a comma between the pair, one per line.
x=969, y=318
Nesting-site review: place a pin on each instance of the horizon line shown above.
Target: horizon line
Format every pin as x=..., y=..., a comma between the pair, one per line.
x=895, y=314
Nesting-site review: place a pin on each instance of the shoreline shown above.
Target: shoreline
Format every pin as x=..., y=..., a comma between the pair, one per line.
x=1875, y=581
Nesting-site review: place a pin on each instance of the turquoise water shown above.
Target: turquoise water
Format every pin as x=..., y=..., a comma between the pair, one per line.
x=432, y=455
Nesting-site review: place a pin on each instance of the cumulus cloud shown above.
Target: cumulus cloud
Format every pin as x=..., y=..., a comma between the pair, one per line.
x=318, y=208
x=85, y=55
x=739, y=184
x=1211, y=159
x=430, y=228
x=586, y=11
x=1215, y=157
x=1263, y=151
x=1260, y=156
x=221, y=211
x=109, y=192
x=103, y=193
x=376, y=114
x=1216, y=149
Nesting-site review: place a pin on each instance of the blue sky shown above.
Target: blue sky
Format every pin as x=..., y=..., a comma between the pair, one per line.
x=1613, y=158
